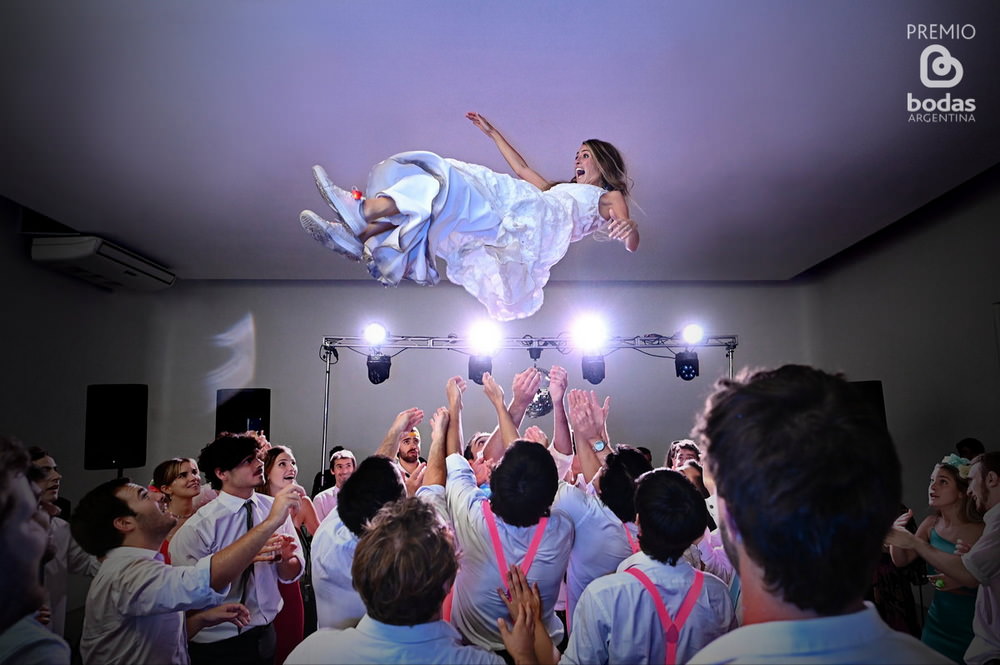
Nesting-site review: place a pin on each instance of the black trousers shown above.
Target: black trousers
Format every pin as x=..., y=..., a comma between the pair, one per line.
x=254, y=646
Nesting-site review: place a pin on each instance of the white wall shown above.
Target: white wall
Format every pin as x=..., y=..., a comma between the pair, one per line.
x=886, y=314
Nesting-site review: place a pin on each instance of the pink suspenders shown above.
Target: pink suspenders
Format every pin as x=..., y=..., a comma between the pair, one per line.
x=631, y=541
x=536, y=540
x=671, y=628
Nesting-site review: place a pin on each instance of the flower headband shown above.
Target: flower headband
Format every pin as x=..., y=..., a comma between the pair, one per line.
x=960, y=464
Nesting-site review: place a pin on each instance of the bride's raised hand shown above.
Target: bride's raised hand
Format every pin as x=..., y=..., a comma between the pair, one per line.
x=480, y=122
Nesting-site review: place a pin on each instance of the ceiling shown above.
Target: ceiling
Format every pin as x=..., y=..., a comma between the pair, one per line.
x=763, y=137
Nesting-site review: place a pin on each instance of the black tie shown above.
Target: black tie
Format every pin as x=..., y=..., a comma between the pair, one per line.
x=248, y=572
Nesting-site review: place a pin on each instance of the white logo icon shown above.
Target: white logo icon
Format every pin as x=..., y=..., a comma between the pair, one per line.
x=941, y=65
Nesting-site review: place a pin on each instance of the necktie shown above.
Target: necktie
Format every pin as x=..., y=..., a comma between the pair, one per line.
x=248, y=571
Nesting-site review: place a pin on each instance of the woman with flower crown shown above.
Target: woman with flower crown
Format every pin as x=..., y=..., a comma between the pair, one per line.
x=953, y=521
x=500, y=235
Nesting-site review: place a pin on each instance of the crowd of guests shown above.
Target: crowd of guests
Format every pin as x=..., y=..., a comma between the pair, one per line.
x=752, y=543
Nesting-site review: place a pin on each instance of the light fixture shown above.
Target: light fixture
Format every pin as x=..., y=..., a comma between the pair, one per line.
x=589, y=334
x=479, y=365
x=378, y=366
x=593, y=369
x=484, y=339
x=686, y=363
x=693, y=334
x=374, y=334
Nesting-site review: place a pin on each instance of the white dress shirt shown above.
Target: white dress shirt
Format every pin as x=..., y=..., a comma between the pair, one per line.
x=859, y=637
x=218, y=524
x=135, y=608
x=616, y=619
x=475, y=603
x=68, y=558
x=374, y=642
x=600, y=543
x=338, y=605
x=983, y=562
x=325, y=502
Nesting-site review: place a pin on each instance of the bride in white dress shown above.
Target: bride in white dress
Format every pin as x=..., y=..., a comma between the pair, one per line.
x=499, y=235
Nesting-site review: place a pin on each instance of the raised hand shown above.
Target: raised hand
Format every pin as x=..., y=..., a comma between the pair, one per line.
x=286, y=502
x=524, y=387
x=408, y=419
x=587, y=418
x=903, y=520
x=439, y=422
x=558, y=382
x=621, y=229
x=416, y=479
x=535, y=433
x=481, y=122
x=492, y=390
x=453, y=389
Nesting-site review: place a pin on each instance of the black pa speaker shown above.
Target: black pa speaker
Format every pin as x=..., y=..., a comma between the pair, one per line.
x=116, y=426
x=241, y=409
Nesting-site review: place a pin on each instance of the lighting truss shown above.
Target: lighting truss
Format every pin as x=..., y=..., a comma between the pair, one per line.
x=649, y=344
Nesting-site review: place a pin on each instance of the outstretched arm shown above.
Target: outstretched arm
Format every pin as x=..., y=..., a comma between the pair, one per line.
x=524, y=388
x=513, y=157
x=613, y=206
x=558, y=381
x=494, y=393
x=588, y=419
x=404, y=422
x=436, y=472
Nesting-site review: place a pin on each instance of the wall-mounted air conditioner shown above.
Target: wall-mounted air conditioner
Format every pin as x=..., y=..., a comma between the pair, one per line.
x=100, y=262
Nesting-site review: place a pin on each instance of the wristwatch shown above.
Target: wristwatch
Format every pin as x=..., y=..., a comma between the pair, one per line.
x=599, y=446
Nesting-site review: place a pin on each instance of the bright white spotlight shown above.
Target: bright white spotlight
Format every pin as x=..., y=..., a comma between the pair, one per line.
x=374, y=334
x=484, y=338
x=589, y=334
x=693, y=333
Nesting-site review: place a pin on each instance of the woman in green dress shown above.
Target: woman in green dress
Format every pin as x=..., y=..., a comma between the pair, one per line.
x=953, y=519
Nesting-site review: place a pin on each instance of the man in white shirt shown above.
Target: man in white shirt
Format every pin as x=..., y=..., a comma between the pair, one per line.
x=136, y=603
x=342, y=464
x=233, y=468
x=404, y=564
x=979, y=566
x=656, y=608
x=809, y=484
x=67, y=556
x=523, y=487
x=23, y=641
x=376, y=482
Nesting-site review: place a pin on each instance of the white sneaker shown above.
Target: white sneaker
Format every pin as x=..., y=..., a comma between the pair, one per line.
x=331, y=235
x=343, y=202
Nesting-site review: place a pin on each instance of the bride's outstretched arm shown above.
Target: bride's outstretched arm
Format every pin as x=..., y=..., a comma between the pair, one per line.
x=513, y=157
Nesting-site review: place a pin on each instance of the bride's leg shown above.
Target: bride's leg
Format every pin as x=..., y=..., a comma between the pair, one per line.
x=375, y=209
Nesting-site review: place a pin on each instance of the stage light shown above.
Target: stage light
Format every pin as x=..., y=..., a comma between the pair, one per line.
x=478, y=365
x=593, y=369
x=378, y=367
x=484, y=338
x=693, y=333
x=686, y=363
x=589, y=334
x=375, y=334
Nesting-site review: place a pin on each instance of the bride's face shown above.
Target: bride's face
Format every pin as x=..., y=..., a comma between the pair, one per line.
x=587, y=170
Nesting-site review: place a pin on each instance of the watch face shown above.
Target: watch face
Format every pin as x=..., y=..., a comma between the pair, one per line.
x=599, y=446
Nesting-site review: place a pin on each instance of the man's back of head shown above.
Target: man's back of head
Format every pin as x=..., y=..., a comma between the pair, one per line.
x=810, y=479
x=405, y=563
x=524, y=484
x=376, y=482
